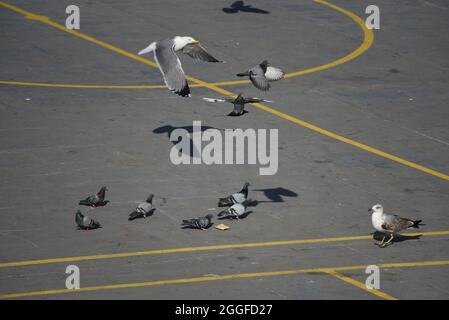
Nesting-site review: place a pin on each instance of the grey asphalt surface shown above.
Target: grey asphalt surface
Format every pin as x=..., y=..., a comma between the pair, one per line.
x=59, y=145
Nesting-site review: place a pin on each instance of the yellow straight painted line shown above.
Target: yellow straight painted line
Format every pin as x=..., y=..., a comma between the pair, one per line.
x=273, y=111
x=218, y=278
x=84, y=86
x=202, y=248
x=360, y=285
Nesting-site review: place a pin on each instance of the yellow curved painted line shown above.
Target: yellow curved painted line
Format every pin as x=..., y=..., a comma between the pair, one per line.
x=366, y=44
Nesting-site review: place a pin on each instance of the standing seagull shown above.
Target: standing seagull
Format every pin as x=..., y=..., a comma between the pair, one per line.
x=238, y=197
x=95, y=199
x=261, y=74
x=198, y=223
x=142, y=209
x=390, y=224
x=238, y=102
x=85, y=223
x=236, y=211
x=169, y=64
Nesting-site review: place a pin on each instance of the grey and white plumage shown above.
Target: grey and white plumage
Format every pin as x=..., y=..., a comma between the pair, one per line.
x=198, y=223
x=238, y=197
x=96, y=199
x=238, y=102
x=85, y=223
x=235, y=211
x=169, y=63
x=389, y=223
x=143, y=209
x=261, y=74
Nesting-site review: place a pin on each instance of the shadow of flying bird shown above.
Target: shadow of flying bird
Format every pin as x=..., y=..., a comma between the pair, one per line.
x=240, y=6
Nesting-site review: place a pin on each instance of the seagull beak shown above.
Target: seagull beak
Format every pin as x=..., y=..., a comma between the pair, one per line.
x=370, y=210
x=195, y=42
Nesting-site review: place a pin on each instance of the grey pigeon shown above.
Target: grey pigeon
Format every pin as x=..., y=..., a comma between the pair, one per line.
x=235, y=211
x=238, y=197
x=169, y=64
x=238, y=102
x=84, y=222
x=390, y=224
x=198, y=223
x=96, y=199
x=143, y=209
x=261, y=74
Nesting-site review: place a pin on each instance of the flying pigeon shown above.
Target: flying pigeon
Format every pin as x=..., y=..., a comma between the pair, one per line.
x=390, y=224
x=169, y=64
x=238, y=197
x=84, y=222
x=235, y=211
x=198, y=223
x=238, y=102
x=239, y=6
x=96, y=199
x=261, y=74
x=142, y=209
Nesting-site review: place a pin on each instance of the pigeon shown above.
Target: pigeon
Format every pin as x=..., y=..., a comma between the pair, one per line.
x=238, y=102
x=84, y=222
x=169, y=64
x=96, y=199
x=238, y=197
x=261, y=74
x=143, y=209
x=235, y=211
x=198, y=223
x=390, y=224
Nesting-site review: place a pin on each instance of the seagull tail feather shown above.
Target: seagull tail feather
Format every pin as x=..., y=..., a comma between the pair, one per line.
x=416, y=224
x=243, y=74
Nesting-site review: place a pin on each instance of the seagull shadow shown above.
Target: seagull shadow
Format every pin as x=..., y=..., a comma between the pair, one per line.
x=168, y=129
x=99, y=204
x=274, y=195
x=240, y=6
x=397, y=238
x=243, y=216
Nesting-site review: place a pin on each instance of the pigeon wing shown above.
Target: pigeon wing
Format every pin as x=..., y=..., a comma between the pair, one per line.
x=259, y=80
x=274, y=74
x=171, y=69
x=197, y=52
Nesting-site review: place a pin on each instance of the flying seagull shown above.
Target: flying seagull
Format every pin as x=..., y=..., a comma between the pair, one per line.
x=261, y=74
x=143, y=209
x=169, y=64
x=198, y=223
x=390, y=224
x=238, y=102
x=84, y=222
x=235, y=211
x=238, y=197
x=96, y=199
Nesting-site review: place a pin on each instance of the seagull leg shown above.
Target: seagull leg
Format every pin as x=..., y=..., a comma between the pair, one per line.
x=389, y=240
x=379, y=243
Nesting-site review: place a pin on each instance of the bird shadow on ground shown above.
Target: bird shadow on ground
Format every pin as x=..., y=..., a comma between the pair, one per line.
x=149, y=214
x=240, y=6
x=243, y=216
x=273, y=194
x=99, y=204
x=397, y=238
x=168, y=129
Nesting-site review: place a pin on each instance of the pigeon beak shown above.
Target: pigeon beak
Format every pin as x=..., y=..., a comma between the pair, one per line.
x=195, y=42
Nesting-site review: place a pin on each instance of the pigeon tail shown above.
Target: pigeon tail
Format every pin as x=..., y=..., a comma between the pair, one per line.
x=85, y=202
x=134, y=215
x=243, y=74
